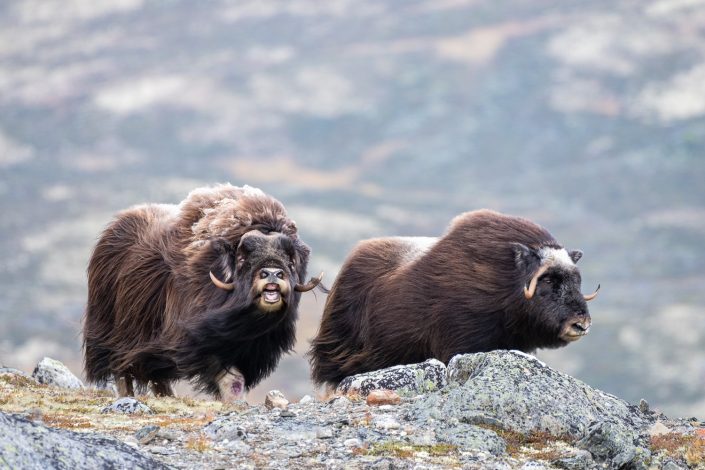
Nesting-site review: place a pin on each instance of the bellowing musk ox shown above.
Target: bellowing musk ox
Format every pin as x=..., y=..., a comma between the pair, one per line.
x=491, y=282
x=207, y=290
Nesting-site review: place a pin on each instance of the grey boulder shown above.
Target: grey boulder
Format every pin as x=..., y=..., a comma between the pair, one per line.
x=514, y=391
x=52, y=372
x=127, y=405
x=27, y=445
x=406, y=380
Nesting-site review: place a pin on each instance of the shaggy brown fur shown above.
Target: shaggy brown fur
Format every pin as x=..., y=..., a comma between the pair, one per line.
x=403, y=300
x=153, y=313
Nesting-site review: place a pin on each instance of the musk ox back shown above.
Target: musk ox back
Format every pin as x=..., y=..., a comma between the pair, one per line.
x=207, y=290
x=491, y=282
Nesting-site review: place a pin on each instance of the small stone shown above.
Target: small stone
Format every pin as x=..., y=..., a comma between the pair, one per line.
x=132, y=442
x=147, y=434
x=128, y=405
x=425, y=438
x=671, y=465
x=324, y=433
x=352, y=442
x=224, y=428
x=161, y=450
x=167, y=434
x=275, y=399
x=306, y=399
x=658, y=429
x=385, y=422
x=340, y=402
x=52, y=372
x=579, y=460
x=239, y=447
x=383, y=397
x=287, y=414
x=644, y=406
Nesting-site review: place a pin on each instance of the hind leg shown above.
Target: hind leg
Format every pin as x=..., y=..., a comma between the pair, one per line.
x=231, y=385
x=161, y=388
x=124, y=385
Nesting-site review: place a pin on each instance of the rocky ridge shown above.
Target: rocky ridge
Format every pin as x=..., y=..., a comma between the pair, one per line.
x=501, y=409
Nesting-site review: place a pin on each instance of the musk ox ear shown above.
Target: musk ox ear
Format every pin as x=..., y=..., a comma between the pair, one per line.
x=224, y=257
x=220, y=246
x=524, y=256
x=575, y=255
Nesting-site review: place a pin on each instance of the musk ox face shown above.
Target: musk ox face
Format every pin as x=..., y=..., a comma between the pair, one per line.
x=267, y=268
x=556, y=305
x=267, y=263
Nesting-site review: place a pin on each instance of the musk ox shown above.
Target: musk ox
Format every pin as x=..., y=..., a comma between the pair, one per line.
x=491, y=282
x=205, y=290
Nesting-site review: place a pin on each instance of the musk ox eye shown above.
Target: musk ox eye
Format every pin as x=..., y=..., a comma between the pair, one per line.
x=280, y=275
x=263, y=275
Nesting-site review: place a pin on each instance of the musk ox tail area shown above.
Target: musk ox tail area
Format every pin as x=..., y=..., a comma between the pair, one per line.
x=340, y=348
x=113, y=290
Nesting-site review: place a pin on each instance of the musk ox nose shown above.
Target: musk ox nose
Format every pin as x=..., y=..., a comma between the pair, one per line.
x=271, y=274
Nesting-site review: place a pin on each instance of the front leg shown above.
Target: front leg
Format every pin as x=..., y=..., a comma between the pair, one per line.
x=231, y=385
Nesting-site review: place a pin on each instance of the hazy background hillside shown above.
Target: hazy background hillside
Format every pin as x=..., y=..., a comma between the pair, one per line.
x=370, y=118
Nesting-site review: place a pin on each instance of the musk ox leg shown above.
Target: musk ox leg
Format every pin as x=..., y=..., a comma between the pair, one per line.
x=231, y=385
x=161, y=389
x=124, y=385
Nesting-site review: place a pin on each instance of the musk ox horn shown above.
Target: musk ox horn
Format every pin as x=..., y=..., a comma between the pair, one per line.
x=588, y=298
x=310, y=284
x=220, y=283
x=531, y=290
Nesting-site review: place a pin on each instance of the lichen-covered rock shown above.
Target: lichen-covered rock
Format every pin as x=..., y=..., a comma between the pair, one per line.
x=52, y=372
x=467, y=436
x=27, y=445
x=608, y=441
x=225, y=428
x=406, y=380
x=128, y=405
x=516, y=391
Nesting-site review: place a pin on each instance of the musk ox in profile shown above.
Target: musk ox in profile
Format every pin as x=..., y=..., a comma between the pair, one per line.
x=491, y=282
x=207, y=290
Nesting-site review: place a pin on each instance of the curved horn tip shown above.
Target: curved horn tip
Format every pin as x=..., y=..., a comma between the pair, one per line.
x=588, y=298
x=527, y=294
x=220, y=283
x=313, y=282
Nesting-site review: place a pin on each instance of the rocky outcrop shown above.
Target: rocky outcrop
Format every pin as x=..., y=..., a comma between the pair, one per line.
x=515, y=392
x=502, y=409
x=29, y=445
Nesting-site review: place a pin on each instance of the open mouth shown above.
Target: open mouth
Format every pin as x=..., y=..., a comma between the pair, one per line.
x=271, y=293
x=575, y=330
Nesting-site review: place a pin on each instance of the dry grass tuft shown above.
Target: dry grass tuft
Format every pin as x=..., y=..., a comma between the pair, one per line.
x=187, y=423
x=403, y=450
x=64, y=421
x=198, y=443
x=17, y=380
x=689, y=447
